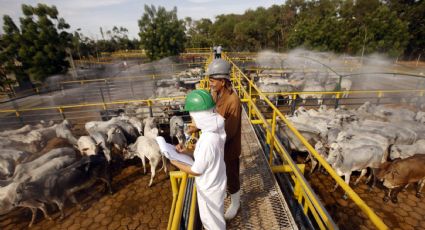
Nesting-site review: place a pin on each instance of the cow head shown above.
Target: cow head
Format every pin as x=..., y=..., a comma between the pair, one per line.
x=334, y=156
x=116, y=137
x=321, y=149
x=395, y=151
x=383, y=169
x=22, y=190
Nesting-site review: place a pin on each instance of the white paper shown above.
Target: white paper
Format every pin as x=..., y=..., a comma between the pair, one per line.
x=171, y=153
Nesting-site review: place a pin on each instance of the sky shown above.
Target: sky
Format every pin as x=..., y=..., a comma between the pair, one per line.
x=89, y=15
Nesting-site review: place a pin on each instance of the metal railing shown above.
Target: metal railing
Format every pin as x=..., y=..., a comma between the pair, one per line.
x=179, y=187
x=18, y=117
x=198, y=50
x=302, y=192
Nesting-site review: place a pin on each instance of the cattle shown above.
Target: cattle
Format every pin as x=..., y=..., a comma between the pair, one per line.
x=420, y=117
x=51, y=144
x=345, y=161
x=22, y=130
x=9, y=158
x=396, y=175
x=58, y=186
x=101, y=141
x=63, y=130
x=177, y=129
x=313, y=87
x=405, y=151
x=130, y=132
x=116, y=137
x=7, y=196
x=149, y=148
x=87, y=146
x=22, y=170
x=36, y=139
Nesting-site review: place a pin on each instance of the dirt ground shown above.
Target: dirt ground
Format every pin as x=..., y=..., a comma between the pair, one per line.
x=408, y=213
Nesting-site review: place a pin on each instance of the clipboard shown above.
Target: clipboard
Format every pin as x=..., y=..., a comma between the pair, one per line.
x=171, y=153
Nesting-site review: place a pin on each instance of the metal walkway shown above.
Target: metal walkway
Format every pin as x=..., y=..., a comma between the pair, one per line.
x=262, y=203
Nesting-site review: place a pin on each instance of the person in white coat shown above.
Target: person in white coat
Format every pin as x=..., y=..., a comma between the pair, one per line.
x=208, y=167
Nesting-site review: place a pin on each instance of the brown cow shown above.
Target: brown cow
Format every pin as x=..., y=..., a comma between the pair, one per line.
x=397, y=174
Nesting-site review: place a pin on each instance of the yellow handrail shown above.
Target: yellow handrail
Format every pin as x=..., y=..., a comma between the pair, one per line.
x=306, y=190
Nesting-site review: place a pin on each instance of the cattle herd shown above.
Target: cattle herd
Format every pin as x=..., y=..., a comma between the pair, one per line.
x=272, y=81
x=47, y=164
x=387, y=140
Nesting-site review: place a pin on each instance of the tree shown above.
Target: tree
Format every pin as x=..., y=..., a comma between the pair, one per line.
x=412, y=11
x=38, y=47
x=199, y=33
x=161, y=34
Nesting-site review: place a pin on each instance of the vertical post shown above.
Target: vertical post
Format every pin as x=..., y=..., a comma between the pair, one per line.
x=131, y=88
x=417, y=61
x=107, y=89
x=62, y=113
x=272, y=137
x=150, y=108
x=16, y=107
x=18, y=115
x=379, y=97
x=337, y=96
x=104, y=104
x=294, y=103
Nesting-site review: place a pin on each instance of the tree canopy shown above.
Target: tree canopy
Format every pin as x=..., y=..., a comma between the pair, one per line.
x=343, y=26
x=37, y=48
x=161, y=34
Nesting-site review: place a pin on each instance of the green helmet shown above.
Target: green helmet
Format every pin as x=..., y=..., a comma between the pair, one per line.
x=218, y=68
x=198, y=100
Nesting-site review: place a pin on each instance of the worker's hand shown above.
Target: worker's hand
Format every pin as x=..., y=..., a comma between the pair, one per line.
x=181, y=149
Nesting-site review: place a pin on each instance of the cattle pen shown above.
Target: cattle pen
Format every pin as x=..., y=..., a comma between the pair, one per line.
x=277, y=190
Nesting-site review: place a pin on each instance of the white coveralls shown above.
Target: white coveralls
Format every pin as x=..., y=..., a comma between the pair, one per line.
x=209, y=162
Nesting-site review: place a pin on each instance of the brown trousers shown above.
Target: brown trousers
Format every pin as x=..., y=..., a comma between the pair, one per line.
x=232, y=173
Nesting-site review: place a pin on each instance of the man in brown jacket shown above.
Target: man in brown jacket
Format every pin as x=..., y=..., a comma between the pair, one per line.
x=228, y=106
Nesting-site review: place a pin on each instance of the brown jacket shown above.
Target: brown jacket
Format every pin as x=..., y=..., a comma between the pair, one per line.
x=229, y=106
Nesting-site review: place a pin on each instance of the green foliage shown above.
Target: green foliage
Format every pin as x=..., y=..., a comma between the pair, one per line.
x=199, y=33
x=343, y=26
x=161, y=34
x=37, y=48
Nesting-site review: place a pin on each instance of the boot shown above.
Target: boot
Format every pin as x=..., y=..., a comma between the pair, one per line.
x=234, y=205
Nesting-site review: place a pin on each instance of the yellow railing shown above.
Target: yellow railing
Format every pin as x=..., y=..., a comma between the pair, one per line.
x=302, y=192
x=177, y=205
x=337, y=94
x=198, y=50
x=62, y=108
x=179, y=181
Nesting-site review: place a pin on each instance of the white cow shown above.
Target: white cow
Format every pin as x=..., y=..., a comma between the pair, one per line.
x=405, y=151
x=346, y=161
x=87, y=146
x=149, y=148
